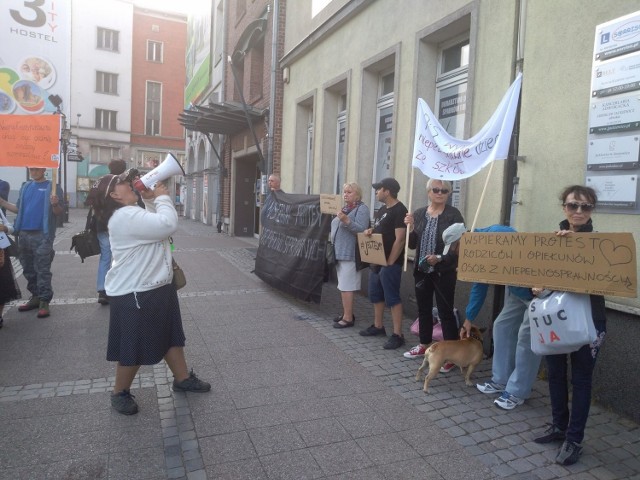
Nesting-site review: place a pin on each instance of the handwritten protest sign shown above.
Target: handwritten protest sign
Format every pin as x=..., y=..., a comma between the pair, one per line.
x=330, y=203
x=372, y=249
x=597, y=263
x=30, y=141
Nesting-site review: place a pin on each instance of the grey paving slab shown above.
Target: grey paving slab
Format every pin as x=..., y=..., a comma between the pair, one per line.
x=292, y=397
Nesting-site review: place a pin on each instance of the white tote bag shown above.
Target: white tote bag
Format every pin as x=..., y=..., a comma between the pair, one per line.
x=4, y=240
x=561, y=323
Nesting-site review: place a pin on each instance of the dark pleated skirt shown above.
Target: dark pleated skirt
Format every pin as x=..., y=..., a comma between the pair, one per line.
x=143, y=326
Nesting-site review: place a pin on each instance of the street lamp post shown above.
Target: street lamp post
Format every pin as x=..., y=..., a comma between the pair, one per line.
x=65, y=138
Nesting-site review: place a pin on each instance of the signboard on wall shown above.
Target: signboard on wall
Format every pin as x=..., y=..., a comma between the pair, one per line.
x=35, y=49
x=198, y=61
x=613, y=146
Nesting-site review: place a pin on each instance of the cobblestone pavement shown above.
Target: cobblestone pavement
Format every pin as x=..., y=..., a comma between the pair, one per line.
x=292, y=397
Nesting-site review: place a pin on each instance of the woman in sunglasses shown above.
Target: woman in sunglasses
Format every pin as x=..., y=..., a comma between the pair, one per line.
x=568, y=422
x=434, y=267
x=145, y=324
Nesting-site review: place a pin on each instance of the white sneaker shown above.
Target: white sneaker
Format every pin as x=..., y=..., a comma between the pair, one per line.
x=415, y=352
x=490, y=387
x=506, y=401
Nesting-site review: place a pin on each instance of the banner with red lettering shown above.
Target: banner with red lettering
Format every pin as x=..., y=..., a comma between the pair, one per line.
x=439, y=155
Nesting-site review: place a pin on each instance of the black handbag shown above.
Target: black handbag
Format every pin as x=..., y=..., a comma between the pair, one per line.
x=12, y=249
x=86, y=242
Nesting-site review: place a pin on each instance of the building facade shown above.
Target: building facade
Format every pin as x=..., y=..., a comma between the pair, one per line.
x=234, y=126
x=128, y=66
x=355, y=69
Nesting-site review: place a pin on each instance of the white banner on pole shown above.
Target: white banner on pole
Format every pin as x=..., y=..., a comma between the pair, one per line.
x=439, y=155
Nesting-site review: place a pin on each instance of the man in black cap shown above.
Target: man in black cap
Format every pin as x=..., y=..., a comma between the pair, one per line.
x=384, y=282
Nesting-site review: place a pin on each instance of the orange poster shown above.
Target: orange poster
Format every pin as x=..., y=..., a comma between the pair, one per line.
x=30, y=141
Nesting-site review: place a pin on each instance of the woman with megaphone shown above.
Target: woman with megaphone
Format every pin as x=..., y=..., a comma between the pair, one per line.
x=145, y=321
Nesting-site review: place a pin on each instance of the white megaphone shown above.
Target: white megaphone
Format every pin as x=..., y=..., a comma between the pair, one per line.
x=168, y=168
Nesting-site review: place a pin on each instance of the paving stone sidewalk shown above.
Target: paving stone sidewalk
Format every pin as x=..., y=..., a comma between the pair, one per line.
x=292, y=397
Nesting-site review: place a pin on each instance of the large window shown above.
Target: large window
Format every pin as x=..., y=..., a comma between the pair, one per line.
x=107, y=83
x=154, y=108
x=100, y=154
x=384, y=128
x=451, y=95
x=107, y=39
x=154, y=51
x=340, y=145
x=106, y=119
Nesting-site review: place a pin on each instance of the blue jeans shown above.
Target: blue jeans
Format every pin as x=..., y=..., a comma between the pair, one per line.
x=582, y=363
x=105, y=259
x=384, y=286
x=514, y=364
x=36, y=254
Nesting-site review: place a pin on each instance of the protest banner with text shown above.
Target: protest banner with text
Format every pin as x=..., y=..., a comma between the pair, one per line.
x=292, y=249
x=596, y=263
x=30, y=141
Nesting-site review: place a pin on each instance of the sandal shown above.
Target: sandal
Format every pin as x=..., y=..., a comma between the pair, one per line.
x=342, y=323
x=338, y=318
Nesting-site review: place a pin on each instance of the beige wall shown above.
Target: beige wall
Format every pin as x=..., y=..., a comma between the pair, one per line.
x=557, y=59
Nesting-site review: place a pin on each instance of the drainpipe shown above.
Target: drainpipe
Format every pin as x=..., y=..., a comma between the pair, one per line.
x=223, y=74
x=509, y=200
x=274, y=67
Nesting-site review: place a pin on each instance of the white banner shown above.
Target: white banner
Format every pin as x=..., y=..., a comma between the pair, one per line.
x=439, y=155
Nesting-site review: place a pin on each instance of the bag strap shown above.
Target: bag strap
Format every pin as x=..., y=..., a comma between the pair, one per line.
x=89, y=217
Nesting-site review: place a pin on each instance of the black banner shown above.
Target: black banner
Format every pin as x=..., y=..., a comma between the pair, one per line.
x=291, y=251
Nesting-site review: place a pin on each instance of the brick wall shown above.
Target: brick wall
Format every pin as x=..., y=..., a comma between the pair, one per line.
x=256, y=81
x=170, y=73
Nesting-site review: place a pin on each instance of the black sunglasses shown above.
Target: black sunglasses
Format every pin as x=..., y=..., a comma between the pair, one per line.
x=444, y=191
x=574, y=206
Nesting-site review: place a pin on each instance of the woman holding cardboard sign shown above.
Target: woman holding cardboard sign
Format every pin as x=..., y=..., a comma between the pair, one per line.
x=569, y=422
x=351, y=219
x=434, y=266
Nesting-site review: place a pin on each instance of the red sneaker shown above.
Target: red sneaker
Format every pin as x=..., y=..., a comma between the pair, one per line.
x=447, y=367
x=415, y=352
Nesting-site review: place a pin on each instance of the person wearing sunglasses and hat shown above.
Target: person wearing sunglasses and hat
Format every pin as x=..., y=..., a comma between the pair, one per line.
x=569, y=419
x=145, y=323
x=435, y=264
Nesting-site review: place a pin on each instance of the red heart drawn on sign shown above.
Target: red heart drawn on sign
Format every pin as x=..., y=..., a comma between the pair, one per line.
x=620, y=255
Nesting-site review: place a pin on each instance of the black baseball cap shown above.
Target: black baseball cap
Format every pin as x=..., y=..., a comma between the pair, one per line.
x=388, y=183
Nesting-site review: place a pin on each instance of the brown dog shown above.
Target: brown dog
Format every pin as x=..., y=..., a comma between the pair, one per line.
x=464, y=353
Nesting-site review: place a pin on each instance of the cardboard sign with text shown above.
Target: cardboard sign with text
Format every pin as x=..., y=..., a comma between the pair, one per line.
x=30, y=140
x=597, y=263
x=330, y=203
x=372, y=249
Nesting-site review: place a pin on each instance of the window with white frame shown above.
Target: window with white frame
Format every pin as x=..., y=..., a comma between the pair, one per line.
x=309, y=172
x=154, y=108
x=101, y=154
x=106, y=119
x=107, y=39
x=384, y=128
x=154, y=51
x=451, y=94
x=340, y=145
x=107, y=83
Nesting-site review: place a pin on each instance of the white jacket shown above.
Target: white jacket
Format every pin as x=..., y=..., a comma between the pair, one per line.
x=141, y=253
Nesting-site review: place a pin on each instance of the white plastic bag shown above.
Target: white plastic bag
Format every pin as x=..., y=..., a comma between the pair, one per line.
x=561, y=323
